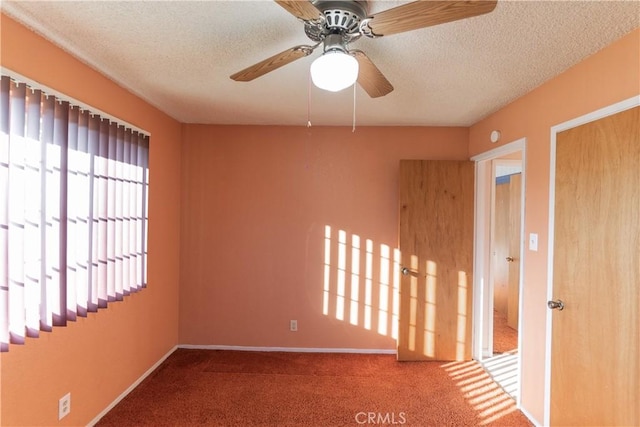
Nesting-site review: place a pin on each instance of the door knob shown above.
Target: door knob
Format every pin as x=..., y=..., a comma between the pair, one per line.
x=406, y=271
x=559, y=305
x=510, y=259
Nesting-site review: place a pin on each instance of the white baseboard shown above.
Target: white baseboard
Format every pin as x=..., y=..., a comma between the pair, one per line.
x=130, y=388
x=290, y=349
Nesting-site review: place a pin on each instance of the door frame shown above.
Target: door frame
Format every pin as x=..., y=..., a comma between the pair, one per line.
x=487, y=302
x=482, y=289
x=575, y=122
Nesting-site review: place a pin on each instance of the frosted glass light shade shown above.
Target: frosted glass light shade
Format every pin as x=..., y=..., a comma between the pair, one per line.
x=334, y=71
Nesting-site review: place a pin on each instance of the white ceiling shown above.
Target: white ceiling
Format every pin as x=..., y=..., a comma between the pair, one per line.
x=178, y=55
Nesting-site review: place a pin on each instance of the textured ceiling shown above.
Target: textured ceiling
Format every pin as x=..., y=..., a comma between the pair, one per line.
x=178, y=56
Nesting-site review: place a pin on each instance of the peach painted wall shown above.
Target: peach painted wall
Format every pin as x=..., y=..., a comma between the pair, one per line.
x=99, y=357
x=609, y=76
x=256, y=203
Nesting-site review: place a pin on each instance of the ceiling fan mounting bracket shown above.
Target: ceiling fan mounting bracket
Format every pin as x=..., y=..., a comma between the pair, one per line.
x=366, y=30
x=307, y=50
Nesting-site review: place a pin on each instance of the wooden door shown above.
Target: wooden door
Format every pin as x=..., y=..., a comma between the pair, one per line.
x=595, y=352
x=513, y=293
x=506, y=248
x=436, y=245
x=500, y=249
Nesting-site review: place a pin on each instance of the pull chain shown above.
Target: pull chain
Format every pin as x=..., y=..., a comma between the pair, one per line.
x=353, y=129
x=309, y=102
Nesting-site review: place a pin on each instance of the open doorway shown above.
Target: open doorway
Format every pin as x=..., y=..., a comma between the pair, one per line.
x=504, y=275
x=500, y=181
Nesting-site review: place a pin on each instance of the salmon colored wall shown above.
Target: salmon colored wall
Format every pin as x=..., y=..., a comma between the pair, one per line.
x=610, y=76
x=99, y=357
x=256, y=201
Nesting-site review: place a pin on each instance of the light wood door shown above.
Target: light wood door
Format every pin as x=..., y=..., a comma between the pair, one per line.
x=506, y=247
x=513, y=293
x=436, y=245
x=500, y=267
x=595, y=360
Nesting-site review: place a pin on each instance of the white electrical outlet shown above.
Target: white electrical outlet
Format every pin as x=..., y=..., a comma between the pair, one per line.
x=293, y=325
x=64, y=406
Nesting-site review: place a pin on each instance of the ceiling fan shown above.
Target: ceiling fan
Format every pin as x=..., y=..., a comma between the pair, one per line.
x=337, y=23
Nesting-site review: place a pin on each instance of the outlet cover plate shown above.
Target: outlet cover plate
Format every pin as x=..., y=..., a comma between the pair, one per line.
x=64, y=406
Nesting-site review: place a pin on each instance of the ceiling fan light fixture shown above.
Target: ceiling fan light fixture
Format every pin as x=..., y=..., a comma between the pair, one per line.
x=334, y=71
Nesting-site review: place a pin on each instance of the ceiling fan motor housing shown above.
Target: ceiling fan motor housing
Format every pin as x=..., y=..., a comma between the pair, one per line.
x=340, y=17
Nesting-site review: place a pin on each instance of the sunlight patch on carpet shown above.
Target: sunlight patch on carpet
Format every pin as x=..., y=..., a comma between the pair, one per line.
x=484, y=395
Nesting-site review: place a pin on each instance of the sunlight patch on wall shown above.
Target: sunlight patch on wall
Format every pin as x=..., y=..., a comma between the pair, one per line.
x=368, y=286
x=355, y=279
x=361, y=282
x=383, y=306
x=430, y=310
x=413, y=305
x=327, y=270
x=342, y=272
x=395, y=310
x=461, y=330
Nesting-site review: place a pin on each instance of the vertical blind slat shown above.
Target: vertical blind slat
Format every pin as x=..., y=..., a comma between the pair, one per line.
x=101, y=178
x=5, y=87
x=73, y=212
x=33, y=181
x=73, y=229
x=17, y=321
x=81, y=201
x=48, y=237
x=111, y=213
x=94, y=151
x=144, y=148
x=61, y=141
x=117, y=202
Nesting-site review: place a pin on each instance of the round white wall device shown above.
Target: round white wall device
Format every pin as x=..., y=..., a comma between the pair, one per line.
x=495, y=136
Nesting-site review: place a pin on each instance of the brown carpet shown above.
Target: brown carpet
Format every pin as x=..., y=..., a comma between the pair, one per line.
x=232, y=388
x=505, y=338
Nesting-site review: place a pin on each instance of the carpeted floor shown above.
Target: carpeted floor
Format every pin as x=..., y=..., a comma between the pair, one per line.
x=231, y=388
x=505, y=338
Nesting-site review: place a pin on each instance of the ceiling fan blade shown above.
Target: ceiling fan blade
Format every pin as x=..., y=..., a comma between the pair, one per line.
x=272, y=63
x=369, y=76
x=426, y=13
x=302, y=9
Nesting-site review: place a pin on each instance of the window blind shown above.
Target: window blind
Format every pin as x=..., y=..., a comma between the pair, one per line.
x=73, y=212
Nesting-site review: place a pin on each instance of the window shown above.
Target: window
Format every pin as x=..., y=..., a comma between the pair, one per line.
x=73, y=212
